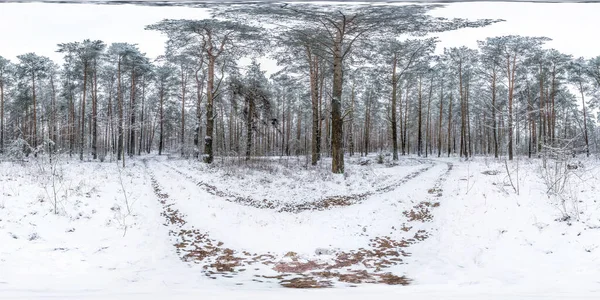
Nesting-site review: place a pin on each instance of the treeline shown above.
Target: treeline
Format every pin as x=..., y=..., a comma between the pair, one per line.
x=347, y=86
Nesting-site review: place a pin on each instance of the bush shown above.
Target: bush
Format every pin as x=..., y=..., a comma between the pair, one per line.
x=380, y=158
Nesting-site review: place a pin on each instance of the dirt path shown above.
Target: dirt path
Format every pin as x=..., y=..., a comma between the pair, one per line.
x=321, y=204
x=368, y=264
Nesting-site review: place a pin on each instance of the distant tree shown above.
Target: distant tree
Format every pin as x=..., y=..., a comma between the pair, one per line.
x=343, y=29
x=577, y=76
x=254, y=90
x=465, y=60
x=86, y=53
x=34, y=67
x=218, y=39
x=118, y=53
x=165, y=81
x=404, y=57
x=514, y=50
x=6, y=71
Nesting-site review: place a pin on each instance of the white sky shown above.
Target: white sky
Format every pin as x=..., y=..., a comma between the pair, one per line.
x=39, y=27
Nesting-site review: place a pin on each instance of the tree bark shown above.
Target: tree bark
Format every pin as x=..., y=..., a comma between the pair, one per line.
x=183, y=84
x=394, y=104
x=337, y=149
x=450, y=125
x=585, y=131
x=95, y=113
x=161, y=121
x=313, y=64
x=132, y=107
x=208, y=140
x=82, y=133
x=440, y=120
x=249, y=127
x=419, y=119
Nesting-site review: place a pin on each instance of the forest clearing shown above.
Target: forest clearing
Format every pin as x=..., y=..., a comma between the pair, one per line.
x=165, y=224
x=180, y=150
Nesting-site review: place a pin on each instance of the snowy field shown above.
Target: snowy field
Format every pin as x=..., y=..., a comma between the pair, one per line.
x=426, y=228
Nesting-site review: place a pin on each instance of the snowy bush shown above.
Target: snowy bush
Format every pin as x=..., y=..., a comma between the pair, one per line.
x=380, y=158
x=559, y=173
x=18, y=149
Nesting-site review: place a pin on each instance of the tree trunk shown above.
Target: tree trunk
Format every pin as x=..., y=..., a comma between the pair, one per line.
x=314, y=95
x=132, y=107
x=35, y=141
x=183, y=84
x=337, y=149
x=419, y=119
x=351, y=126
x=440, y=121
x=95, y=114
x=249, y=127
x=394, y=122
x=450, y=125
x=141, y=143
x=428, y=121
x=121, y=141
x=161, y=121
x=494, y=121
x=199, y=87
x=82, y=133
x=585, y=131
x=208, y=140
x=511, y=85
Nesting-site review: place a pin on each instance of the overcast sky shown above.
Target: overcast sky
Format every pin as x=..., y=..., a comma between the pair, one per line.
x=39, y=27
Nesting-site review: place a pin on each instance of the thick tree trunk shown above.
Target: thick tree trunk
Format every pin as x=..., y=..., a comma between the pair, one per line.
x=208, y=140
x=394, y=119
x=337, y=148
x=314, y=95
x=199, y=87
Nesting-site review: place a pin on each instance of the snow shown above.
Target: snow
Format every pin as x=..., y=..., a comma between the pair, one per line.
x=485, y=240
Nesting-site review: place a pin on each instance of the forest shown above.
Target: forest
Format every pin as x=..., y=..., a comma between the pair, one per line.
x=255, y=150
x=351, y=80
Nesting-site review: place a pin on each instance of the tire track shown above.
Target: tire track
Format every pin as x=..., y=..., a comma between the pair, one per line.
x=363, y=265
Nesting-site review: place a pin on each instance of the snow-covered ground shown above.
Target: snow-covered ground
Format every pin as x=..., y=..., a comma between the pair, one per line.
x=164, y=228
